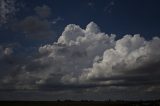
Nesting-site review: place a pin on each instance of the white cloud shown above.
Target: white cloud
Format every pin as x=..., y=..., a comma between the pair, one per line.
x=129, y=53
x=89, y=58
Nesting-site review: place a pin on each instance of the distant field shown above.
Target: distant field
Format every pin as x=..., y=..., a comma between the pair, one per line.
x=78, y=103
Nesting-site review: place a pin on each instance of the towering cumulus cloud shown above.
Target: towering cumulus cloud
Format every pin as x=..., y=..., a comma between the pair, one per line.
x=90, y=59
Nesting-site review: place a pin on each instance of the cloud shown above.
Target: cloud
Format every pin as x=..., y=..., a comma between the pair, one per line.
x=36, y=26
x=6, y=60
x=91, y=4
x=55, y=21
x=7, y=10
x=8, y=51
x=5, y=51
x=129, y=53
x=43, y=11
x=109, y=6
x=91, y=61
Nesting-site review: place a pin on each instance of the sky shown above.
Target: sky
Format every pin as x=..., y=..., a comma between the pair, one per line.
x=79, y=50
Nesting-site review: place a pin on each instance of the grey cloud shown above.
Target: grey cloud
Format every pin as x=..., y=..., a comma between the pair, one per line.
x=43, y=11
x=5, y=51
x=36, y=28
x=7, y=10
x=91, y=4
x=8, y=51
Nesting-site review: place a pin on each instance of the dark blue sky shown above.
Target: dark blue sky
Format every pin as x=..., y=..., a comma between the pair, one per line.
x=29, y=61
x=113, y=16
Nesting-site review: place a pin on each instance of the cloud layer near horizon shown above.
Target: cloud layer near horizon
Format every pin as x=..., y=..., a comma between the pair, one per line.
x=88, y=59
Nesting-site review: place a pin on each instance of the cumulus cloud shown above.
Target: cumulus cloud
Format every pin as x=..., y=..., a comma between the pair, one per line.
x=90, y=59
x=129, y=53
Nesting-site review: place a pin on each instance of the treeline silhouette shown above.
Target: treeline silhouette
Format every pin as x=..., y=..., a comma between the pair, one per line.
x=81, y=103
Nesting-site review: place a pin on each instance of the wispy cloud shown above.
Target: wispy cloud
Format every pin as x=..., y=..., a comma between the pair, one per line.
x=109, y=6
x=55, y=21
x=7, y=10
x=91, y=4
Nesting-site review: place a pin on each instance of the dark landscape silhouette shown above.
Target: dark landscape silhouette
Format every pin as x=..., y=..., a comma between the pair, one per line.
x=81, y=103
